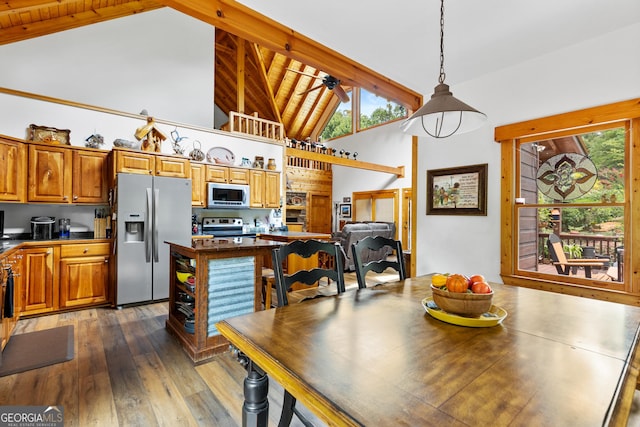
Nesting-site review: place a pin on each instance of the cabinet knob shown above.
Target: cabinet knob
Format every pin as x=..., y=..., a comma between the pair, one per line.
x=75, y=197
x=106, y=260
x=65, y=197
x=85, y=250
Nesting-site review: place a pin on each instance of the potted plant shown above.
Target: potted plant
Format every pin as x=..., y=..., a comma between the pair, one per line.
x=573, y=250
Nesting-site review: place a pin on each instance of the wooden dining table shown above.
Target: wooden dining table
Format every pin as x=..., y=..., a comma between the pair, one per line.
x=374, y=356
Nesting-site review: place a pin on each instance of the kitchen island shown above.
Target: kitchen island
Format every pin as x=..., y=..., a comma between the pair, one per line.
x=227, y=281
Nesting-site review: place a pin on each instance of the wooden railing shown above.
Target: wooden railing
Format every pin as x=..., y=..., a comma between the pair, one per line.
x=603, y=245
x=253, y=125
x=317, y=160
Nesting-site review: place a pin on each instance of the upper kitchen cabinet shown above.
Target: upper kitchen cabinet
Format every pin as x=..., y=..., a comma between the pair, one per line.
x=198, y=185
x=13, y=157
x=147, y=163
x=59, y=174
x=89, y=177
x=133, y=162
x=172, y=166
x=49, y=174
x=265, y=189
x=217, y=173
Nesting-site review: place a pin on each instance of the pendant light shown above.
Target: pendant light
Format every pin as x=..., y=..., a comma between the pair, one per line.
x=444, y=115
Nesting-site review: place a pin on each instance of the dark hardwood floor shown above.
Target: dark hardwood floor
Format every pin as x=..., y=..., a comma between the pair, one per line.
x=129, y=371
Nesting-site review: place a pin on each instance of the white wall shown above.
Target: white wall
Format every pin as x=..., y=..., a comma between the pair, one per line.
x=594, y=72
x=160, y=60
x=384, y=145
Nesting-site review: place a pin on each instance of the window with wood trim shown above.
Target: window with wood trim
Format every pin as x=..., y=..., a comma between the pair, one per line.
x=572, y=186
x=568, y=179
x=365, y=110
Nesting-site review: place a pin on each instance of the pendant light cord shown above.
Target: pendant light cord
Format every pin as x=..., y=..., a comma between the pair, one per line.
x=442, y=75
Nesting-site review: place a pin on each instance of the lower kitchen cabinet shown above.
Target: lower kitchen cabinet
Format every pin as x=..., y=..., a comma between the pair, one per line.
x=38, y=294
x=84, y=274
x=64, y=276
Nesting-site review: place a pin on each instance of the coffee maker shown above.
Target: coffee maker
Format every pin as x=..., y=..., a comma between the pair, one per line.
x=42, y=227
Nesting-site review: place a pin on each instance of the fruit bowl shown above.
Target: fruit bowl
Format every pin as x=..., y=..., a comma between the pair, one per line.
x=462, y=303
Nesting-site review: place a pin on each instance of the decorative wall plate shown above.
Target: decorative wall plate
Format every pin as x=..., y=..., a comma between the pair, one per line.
x=221, y=156
x=566, y=176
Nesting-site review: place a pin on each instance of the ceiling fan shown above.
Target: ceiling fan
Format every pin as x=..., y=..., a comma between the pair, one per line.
x=330, y=82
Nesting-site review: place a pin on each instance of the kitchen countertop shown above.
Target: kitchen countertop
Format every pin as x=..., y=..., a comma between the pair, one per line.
x=220, y=244
x=289, y=236
x=17, y=242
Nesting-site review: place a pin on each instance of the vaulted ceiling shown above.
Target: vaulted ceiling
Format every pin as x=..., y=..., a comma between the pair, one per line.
x=250, y=75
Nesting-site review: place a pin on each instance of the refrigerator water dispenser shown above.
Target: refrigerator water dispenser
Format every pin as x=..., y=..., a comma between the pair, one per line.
x=134, y=231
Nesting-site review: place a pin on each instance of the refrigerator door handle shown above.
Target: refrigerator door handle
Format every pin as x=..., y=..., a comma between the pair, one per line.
x=156, y=198
x=147, y=220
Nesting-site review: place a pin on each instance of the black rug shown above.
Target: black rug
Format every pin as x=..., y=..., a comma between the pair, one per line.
x=33, y=350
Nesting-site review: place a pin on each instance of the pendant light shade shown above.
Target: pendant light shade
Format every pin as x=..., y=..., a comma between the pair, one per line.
x=444, y=115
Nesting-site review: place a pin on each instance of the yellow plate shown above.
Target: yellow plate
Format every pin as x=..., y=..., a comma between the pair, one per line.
x=494, y=316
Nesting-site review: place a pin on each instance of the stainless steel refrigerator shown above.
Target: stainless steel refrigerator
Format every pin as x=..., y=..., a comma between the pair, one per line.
x=149, y=211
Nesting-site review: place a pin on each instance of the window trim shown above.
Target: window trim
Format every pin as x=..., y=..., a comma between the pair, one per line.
x=510, y=136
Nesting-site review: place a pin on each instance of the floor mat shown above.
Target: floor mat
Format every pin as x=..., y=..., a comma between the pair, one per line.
x=33, y=350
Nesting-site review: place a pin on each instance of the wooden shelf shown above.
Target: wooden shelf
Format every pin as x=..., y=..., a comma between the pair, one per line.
x=341, y=161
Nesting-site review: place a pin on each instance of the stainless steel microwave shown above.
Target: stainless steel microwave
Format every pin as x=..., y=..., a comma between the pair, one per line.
x=227, y=196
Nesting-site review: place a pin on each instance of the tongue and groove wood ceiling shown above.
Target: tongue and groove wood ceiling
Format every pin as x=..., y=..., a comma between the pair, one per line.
x=255, y=72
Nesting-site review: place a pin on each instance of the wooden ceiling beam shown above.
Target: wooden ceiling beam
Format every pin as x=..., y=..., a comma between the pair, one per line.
x=240, y=76
x=264, y=78
x=250, y=25
x=54, y=22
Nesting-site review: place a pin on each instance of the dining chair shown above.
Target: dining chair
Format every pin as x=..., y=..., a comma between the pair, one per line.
x=284, y=282
x=285, y=279
x=563, y=264
x=382, y=245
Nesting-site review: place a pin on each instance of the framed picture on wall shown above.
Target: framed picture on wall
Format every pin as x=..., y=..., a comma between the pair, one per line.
x=345, y=210
x=457, y=191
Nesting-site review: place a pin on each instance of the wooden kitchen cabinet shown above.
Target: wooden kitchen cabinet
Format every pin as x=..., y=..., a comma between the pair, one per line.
x=133, y=162
x=217, y=173
x=84, y=274
x=50, y=174
x=272, y=189
x=13, y=157
x=89, y=177
x=39, y=280
x=59, y=174
x=238, y=176
x=265, y=189
x=198, y=185
x=173, y=166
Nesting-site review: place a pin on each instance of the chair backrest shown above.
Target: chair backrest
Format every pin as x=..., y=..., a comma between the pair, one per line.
x=556, y=249
x=377, y=265
x=306, y=248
